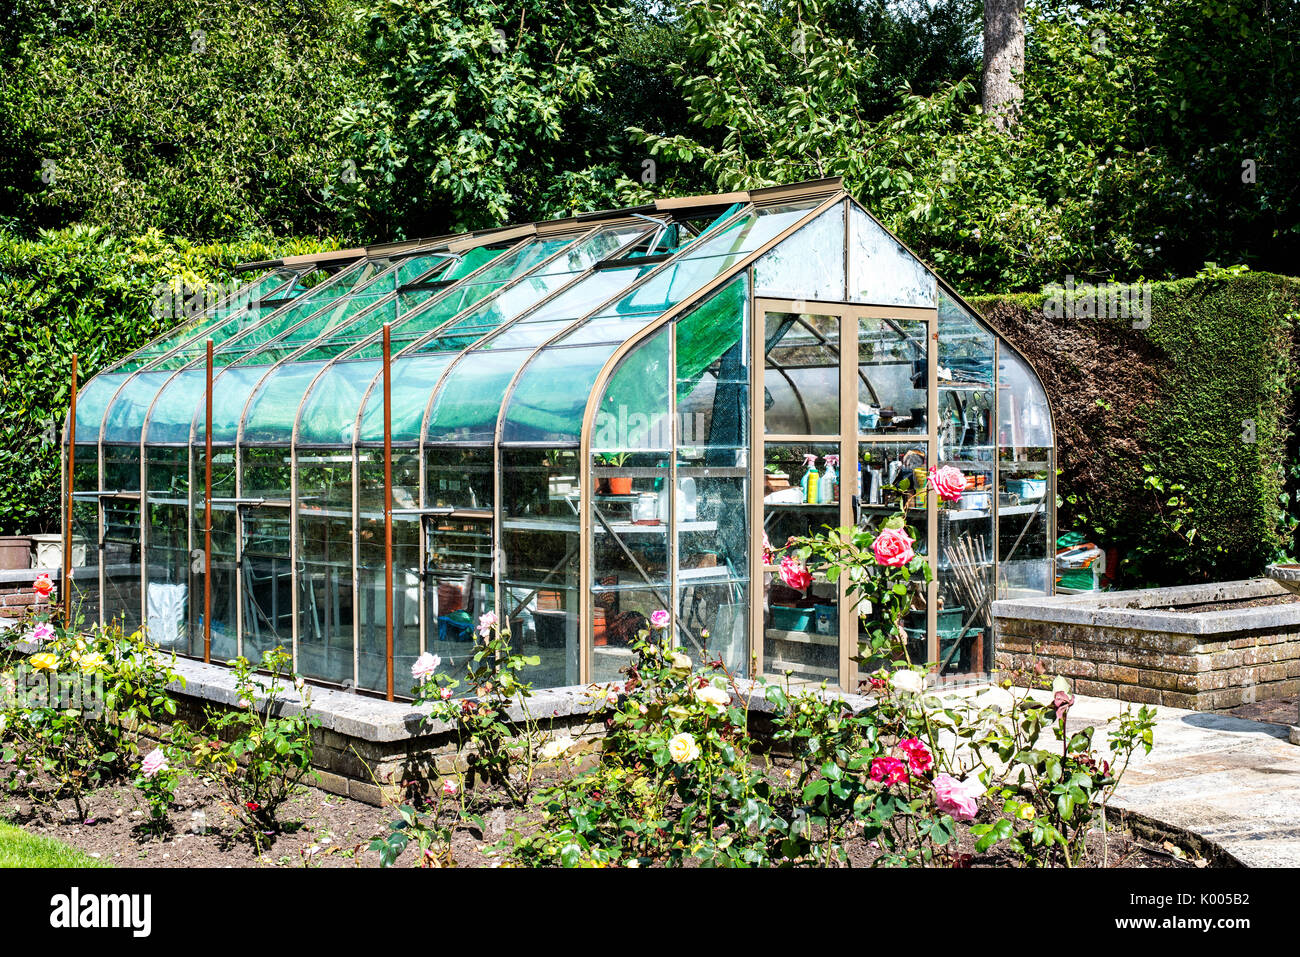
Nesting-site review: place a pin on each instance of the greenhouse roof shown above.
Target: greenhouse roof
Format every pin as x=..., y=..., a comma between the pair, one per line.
x=496, y=336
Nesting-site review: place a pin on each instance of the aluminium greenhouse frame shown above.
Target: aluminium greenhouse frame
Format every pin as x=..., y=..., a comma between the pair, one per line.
x=449, y=330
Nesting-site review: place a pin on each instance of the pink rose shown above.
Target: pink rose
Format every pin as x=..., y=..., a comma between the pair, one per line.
x=42, y=633
x=154, y=762
x=659, y=620
x=795, y=574
x=425, y=666
x=919, y=758
x=948, y=482
x=957, y=798
x=486, y=623
x=445, y=694
x=449, y=787
x=893, y=547
x=889, y=771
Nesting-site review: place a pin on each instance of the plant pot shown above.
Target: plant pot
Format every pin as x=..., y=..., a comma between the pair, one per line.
x=15, y=552
x=775, y=482
x=620, y=485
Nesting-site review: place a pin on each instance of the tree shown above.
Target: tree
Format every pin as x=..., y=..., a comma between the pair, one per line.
x=1004, y=59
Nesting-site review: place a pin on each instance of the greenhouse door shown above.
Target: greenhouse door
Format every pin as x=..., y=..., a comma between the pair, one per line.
x=266, y=574
x=844, y=405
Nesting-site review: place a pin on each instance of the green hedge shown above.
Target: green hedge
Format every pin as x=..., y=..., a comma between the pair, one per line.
x=87, y=292
x=1175, y=439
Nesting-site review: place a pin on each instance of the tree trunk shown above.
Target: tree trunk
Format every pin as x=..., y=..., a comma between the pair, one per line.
x=1004, y=59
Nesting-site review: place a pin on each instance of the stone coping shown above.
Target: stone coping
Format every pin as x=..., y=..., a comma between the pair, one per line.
x=28, y=575
x=1145, y=609
x=374, y=719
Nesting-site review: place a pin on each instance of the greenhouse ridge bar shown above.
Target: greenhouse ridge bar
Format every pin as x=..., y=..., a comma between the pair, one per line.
x=587, y=420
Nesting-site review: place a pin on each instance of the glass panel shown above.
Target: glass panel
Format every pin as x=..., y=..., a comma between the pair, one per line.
x=267, y=565
x=894, y=475
x=372, y=614
x=881, y=271
x=167, y=596
x=325, y=612
x=329, y=412
x=92, y=402
x=230, y=392
x=630, y=503
x=892, y=373
x=1025, y=478
x=965, y=390
x=458, y=588
x=121, y=552
x=469, y=399
x=713, y=379
x=540, y=554
x=225, y=571
x=713, y=564
x=550, y=398
x=125, y=419
x=801, y=376
x=808, y=265
x=246, y=299
x=459, y=478
x=800, y=628
x=414, y=379
x=178, y=403
x=85, y=535
x=274, y=408
x=462, y=296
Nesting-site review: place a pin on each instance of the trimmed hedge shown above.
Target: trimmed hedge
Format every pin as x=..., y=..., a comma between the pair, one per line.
x=87, y=292
x=1175, y=439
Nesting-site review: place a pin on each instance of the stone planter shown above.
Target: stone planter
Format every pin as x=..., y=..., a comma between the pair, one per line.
x=1154, y=646
x=15, y=552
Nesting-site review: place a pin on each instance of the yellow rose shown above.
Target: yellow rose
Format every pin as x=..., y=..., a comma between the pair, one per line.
x=92, y=662
x=683, y=748
x=44, y=661
x=681, y=662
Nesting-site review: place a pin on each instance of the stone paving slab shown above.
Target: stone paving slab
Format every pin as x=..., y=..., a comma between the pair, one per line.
x=1233, y=781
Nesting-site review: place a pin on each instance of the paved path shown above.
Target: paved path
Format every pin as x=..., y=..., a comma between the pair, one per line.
x=1234, y=782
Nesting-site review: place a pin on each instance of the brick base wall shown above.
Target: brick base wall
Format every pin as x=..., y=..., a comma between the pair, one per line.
x=1201, y=672
x=17, y=600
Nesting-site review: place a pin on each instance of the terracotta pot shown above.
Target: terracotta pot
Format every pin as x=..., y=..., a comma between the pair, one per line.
x=775, y=482
x=622, y=485
x=15, y=552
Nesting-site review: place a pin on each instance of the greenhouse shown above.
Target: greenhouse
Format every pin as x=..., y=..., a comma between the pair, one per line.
x=573, y=423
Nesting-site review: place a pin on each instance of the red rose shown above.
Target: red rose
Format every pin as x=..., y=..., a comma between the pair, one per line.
x=888, y=770
x=919, y=758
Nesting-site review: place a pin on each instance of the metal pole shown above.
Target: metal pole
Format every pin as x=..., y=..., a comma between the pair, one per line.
x=388, y=503
x=66, y=584
x=207, y=513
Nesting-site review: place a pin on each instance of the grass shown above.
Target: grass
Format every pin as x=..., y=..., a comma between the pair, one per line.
x=20, y=849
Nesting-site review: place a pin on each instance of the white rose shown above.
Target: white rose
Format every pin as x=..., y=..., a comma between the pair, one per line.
x=556, y=747
x=1060, y=684
x=907, y=681
x=713, y=695
x=683, y=748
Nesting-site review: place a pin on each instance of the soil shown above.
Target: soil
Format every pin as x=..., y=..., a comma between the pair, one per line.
x=1273, y=711
x=325, y=830
x=1231, y=604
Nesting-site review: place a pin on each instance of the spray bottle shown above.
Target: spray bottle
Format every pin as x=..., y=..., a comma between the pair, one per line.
x=809, y=481
x=827, y=488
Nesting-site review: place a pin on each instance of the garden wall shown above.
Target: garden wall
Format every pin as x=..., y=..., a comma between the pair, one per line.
x=1174, y=429
x=1204, y=647
x=16, y=596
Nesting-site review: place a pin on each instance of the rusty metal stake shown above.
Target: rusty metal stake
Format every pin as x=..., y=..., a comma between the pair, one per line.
x=207, y=514
x=66, y=583
x=388, y=502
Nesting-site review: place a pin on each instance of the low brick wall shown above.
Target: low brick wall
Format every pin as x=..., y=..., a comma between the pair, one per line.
x=1136, y=646
x=16, y=596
